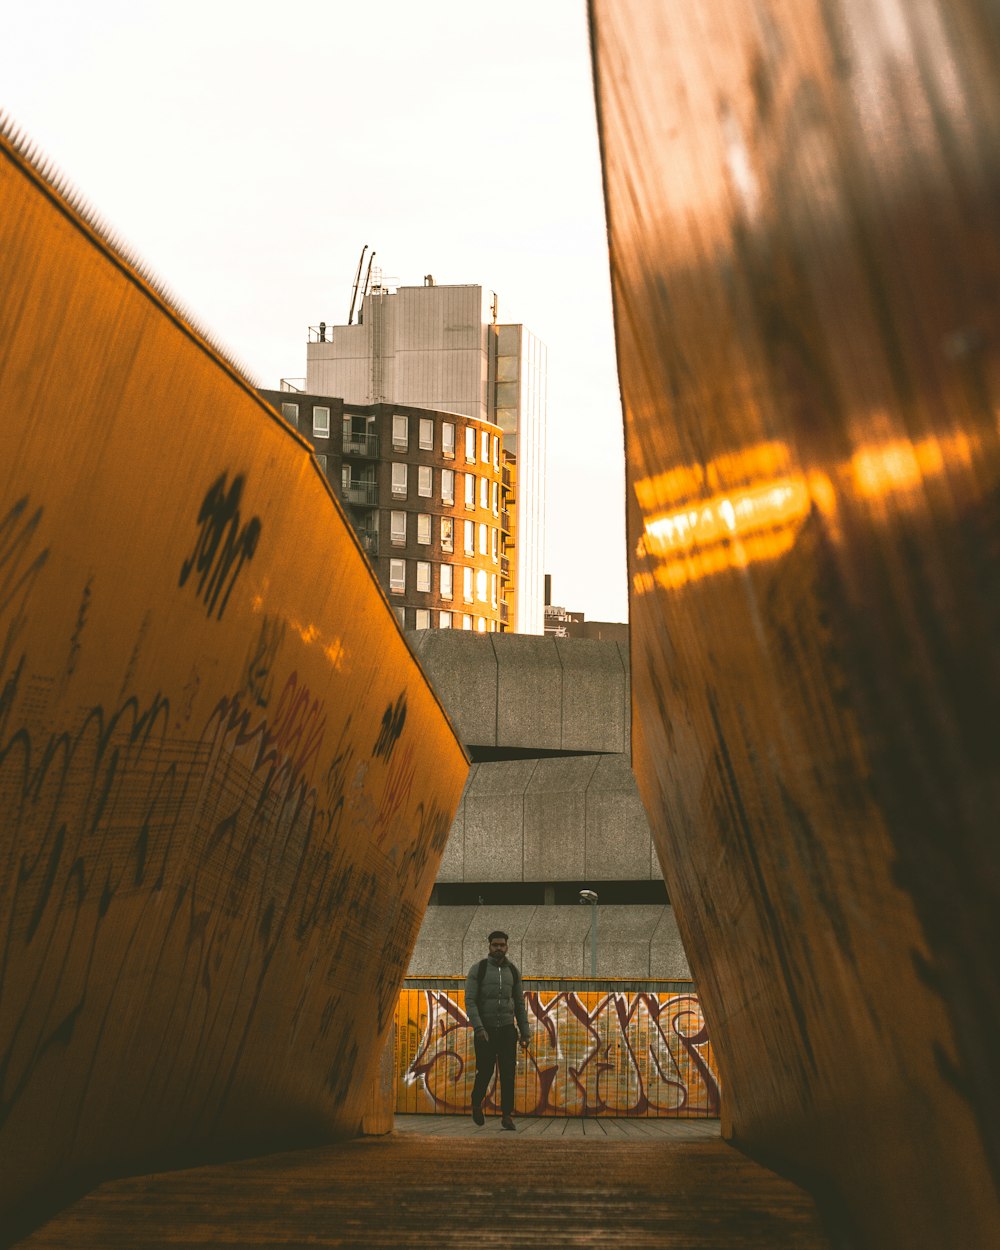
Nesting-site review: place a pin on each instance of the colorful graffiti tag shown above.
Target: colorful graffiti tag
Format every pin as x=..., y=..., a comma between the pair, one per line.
x=592, y=1053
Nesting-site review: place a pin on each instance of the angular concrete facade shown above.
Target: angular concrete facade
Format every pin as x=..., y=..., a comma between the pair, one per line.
x=550, y=799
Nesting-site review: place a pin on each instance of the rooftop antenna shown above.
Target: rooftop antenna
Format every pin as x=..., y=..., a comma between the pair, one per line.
x=357, y=279
x=368, y=274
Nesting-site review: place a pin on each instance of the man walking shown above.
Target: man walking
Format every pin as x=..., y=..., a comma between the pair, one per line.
x=493, y=997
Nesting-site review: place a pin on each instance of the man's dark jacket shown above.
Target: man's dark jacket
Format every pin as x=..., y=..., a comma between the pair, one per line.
x=498, y=1000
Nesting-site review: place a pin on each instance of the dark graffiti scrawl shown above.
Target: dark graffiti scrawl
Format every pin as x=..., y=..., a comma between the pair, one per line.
x=393, y=721
x=262, y=659
x=223, y=546
x=591, y=1054
x=20, y=565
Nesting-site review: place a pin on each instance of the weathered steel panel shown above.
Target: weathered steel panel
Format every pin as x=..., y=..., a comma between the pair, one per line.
x=593, y=1053
x=225, y=785
x=804, y=212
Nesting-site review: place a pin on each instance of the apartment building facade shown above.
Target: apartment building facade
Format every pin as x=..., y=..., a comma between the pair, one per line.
x=428, y=495
x=442, y=348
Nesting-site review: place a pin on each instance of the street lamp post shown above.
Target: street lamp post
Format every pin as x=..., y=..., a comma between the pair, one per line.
x=590, y=896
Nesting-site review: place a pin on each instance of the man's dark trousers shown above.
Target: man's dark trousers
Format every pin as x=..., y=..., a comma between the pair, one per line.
x=498, y=1049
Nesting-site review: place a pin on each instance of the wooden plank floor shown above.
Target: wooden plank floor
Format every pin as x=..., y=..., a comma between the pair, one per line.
x=595, y=1128
x=538, y=1187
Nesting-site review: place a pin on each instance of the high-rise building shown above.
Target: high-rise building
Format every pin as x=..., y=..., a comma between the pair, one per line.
x=427, y=493
x=442, y=348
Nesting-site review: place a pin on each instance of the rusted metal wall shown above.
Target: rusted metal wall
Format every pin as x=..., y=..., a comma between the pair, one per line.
x=804, y=213
x=593, y=1053
x=225, y=785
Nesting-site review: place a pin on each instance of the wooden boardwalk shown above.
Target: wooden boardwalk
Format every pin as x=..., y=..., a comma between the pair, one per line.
x=554, y=1183
x=569, y=1128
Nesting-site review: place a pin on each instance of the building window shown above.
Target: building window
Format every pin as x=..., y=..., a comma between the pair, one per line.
x=400, y=432
x=481, y=585
x=397, y=529
x=447, y=534
x=425, y=481
x=400, y=616
x=448, y=486
x=470, y=490
x=466, y=621
x=496, y=452
x=397, y=576
x=423, y=529
x=291, y=414
x=399, y=479
x=447, y=579
x=423, y=618
x=495, y=544
x=482, y=539
x=493, y=590
x=426, y=434
x=448, y=439
x=484, y=492
x=321, y=461
x=470, y=445
x=321, y=422
x=496, y=498
x=423, y=576
x=444, y=620
x=481, y=625
x=484, y=447
x=467, y=585
x=469, y=546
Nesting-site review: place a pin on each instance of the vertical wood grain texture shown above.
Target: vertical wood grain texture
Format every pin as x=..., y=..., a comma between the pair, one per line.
x=803, y=201
x=224, y=784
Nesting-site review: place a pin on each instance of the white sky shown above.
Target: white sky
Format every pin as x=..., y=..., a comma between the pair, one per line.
x=247, y=150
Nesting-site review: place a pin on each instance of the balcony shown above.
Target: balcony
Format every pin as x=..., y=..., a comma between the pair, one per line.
x=504, y=614
x=364, y=445
x=505, y=568
x=369, y=540
x=362, y=494
x=505, y=521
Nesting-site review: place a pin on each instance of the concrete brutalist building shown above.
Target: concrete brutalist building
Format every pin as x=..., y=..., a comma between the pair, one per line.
x=550, y=808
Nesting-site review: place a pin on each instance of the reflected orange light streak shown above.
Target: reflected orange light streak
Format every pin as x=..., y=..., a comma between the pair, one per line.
x=758, y=521
x=735, y=515
x=881, y=469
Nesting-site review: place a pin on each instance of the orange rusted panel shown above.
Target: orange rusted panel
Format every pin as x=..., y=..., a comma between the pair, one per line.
x=805, y=252
x=610, y=1053
x=225, y=785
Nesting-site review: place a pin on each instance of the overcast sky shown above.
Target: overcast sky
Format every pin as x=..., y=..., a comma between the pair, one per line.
x=246, y=151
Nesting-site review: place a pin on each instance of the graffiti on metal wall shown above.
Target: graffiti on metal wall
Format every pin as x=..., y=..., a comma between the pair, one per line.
x=592, y=1053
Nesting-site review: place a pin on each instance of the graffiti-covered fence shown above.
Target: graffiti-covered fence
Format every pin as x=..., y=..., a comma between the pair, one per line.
x=613, y=1053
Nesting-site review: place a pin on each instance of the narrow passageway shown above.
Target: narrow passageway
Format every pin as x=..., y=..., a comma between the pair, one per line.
x=438, y=1184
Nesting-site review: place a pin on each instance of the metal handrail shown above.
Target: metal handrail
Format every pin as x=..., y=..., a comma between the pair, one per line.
x=369, y=539
x=365, y=493
x=361, y=445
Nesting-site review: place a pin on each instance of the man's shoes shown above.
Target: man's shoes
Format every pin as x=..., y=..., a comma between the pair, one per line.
x=477, y=1113
x=507, y=1123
